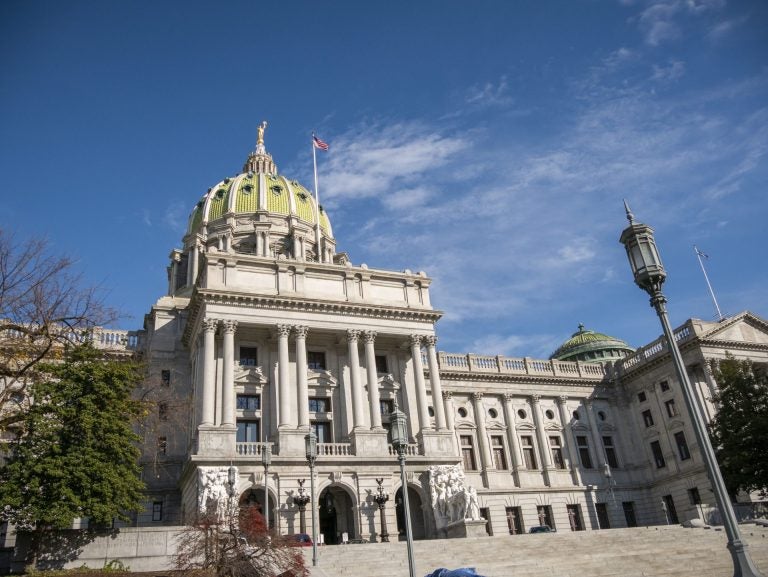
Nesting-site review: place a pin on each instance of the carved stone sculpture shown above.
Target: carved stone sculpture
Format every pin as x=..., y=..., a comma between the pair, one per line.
x=451, y=500
x=214, y=492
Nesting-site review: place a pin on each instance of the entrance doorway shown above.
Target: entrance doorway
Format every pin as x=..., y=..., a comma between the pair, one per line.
x=417, y=517
x=336, y=514
x=254, y=497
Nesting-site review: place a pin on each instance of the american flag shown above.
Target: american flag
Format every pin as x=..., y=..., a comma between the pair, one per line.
x=319, y=143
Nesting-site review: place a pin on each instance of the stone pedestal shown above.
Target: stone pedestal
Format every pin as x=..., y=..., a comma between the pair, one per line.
x=367, y=443
x=213, y=441
x=437, y=443
x=466, y=528
x=290, y=442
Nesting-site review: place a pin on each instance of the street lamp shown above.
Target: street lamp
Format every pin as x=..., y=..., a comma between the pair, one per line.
x=266, y=459
x=649, y=275
x=301, y=501
x=310, y=445
x=381, y=499
x=398, y=422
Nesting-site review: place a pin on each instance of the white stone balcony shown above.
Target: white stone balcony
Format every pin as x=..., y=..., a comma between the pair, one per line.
x=471, y=363
x=251, y=449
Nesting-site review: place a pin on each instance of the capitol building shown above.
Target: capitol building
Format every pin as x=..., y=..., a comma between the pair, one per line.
x=269, y=330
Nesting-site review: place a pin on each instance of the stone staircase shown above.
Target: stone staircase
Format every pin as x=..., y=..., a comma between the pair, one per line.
x=666, y=551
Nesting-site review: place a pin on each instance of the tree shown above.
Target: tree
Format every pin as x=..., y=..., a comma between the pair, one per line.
x=44, y=306
x=75, y=454
x=740, y=429
x=237, y=545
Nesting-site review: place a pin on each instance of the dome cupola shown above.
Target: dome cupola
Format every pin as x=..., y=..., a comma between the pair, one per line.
x=591, y=347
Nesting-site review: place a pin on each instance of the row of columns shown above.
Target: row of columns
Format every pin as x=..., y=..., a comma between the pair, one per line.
x=570, y=451
x=209, y=372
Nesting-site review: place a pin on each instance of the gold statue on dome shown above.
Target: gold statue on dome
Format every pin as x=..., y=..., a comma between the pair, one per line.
x=260, y=133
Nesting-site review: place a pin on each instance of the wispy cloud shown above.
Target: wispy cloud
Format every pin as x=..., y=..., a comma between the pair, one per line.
x=175, y=216
x=663, y=21
x=674, y=70
x=490, y=94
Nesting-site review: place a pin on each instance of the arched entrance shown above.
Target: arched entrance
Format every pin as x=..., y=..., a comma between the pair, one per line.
x=417, y=514
x=336, y=515
x=255, y=497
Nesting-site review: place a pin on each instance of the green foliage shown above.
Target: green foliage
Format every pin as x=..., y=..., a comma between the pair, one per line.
x=76, y=455
x=740, y=429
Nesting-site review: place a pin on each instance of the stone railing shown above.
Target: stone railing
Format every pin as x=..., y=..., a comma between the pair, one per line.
x=251, y=449
x=411, y=450
x=115, y=339
x=655, y=348
x=334, y=449
x=518, y=366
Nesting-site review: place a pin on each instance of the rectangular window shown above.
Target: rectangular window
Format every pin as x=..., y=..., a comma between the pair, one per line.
x=157, y=511
x=319, y=405
x=249, y=356
x=248, y=402
x=515, y=520
x=499, y=457
x=602, y=515
x=574, y=517
x=648, y=418
x=248, y=431
x=322, y=430
x=162, y=411
x=557, y=452
x=629, y=513
x=381, y=364
x=671, y=408
x=664, y=386
x=162, y=445
x=610, y=452
x=316, y=360
x=682, y=446
x=544, y=513
x=583, y=445
x=386, y=406
x=693, y=496
x=165, y=377
x=468, y=453
x=641, y=396
x=485, y=513
x=669, y=509
x=529, y=454
x=658, y=456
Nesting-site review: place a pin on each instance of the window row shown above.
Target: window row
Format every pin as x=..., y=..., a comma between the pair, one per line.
x=682, y=450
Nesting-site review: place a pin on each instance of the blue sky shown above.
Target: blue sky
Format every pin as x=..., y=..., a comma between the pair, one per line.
x=487, y=143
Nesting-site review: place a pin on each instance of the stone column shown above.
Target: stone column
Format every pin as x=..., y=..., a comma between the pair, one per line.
x=449, y=410
x=512, y=440
x=596, y=440
x=434, y=381
x=228, y=375
x=282, y=375
x=373, y=380
x=301, y=376
x=418, y=376
x=209, y=370
x=354, y=372
x=482, y=436
x=541, y=436
x=569, y=449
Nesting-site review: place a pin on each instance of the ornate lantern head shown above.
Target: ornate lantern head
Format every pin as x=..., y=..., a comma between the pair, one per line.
x=643, y=256
x=310, y=446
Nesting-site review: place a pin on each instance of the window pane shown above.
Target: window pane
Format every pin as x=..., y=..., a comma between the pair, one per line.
x=248, y=402
x=248, y=356
x=316, y=360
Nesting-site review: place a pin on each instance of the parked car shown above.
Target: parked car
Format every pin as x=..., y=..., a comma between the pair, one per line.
x=300, y=540
x=541, y=529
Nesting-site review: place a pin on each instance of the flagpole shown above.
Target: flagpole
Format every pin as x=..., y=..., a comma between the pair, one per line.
x=317, y=203
x=709, y=285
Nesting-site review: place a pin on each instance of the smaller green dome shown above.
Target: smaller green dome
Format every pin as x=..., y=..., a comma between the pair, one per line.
x=591, y=347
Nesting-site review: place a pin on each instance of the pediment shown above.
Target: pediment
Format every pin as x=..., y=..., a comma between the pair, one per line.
x=321, y=378
x=250, y=376
x=744, y=328
x=387, y=381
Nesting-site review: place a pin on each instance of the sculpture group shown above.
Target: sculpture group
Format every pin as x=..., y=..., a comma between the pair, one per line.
x=452, y=500
x=214, y=491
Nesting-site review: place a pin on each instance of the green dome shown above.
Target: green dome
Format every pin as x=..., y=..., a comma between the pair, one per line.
x=591, y=347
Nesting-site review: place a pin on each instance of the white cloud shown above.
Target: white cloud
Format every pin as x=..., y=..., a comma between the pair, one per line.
x=663, y=21
x=674, y=70
x=175, y=216
x=490, y=94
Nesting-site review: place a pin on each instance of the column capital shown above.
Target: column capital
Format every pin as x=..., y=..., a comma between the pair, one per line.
x=209, y=325
x=448, y=395
x=430, y=341
x=561, y=400
x=415, y=340
x=508, y=397
x=369, y=336
x=535, y=399
x=477, y=397
x=352, y=335
x=300, y=331
x=283, y=330
x=229, y=326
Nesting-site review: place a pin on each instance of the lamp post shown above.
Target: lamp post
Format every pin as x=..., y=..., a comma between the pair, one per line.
x=649, y=275
x=266, y=459
x=398, y=422
x=301, y=501
x=310, y=445
x=381, y=499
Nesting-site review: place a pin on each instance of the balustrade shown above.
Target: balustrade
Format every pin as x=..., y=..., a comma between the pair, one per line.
x=334, y=449
x=411, y=450
x=251, y=449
